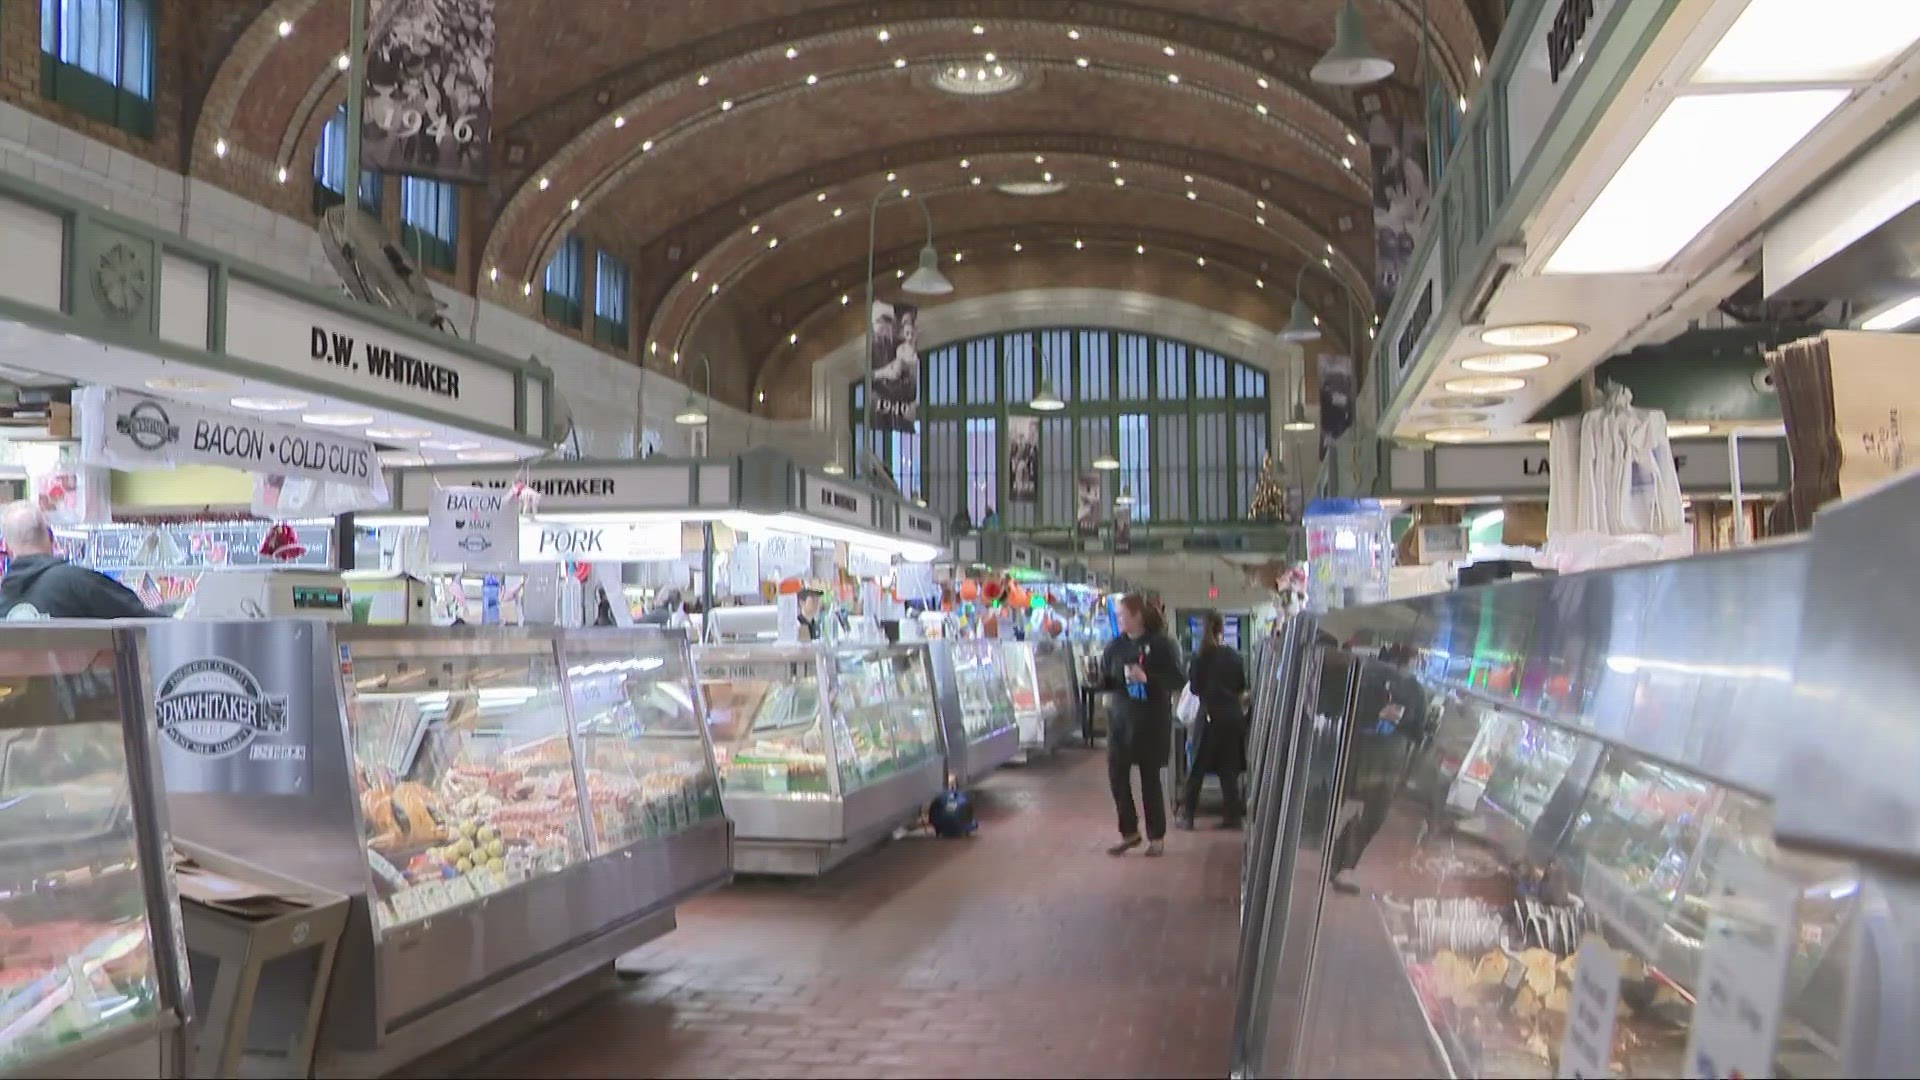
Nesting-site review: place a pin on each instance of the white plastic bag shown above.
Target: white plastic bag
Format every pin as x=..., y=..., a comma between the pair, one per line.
x=1188, y=707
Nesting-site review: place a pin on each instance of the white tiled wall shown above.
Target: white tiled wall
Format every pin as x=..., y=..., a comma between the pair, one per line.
x=604, y=392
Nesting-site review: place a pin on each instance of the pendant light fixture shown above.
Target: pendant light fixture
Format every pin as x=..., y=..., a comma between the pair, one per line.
x=1106, y=463
x=1300, y=325
x=1351, y=61
x=1301, y=421
x=928, y=280
x=1046, y=400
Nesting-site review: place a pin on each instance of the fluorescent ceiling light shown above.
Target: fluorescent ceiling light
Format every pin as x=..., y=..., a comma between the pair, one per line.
x=186, y=384
x=269, y=404
x=487, y=455
x=1791, y=41
x=1687, y=431
x=450, y=444
x=1485, y=384
x=1544, y=434
x=337, y=419
x=1703, y=153
x=399, y=434
x=403, y=461
x=1896, y=316
x=1458, y=435
x=1504, y=363
x=1529, y=335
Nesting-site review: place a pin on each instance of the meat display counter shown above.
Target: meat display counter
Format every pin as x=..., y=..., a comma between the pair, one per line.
x=1046, y=697
x=976, y=709
x=509, y=808
x=1533, y=829
x=823, y=751
x=92, y=975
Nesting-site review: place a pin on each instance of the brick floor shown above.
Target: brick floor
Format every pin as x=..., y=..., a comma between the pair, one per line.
x=1024, y=951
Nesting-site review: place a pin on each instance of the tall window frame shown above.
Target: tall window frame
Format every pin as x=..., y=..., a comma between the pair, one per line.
x=612, y=289
x=98, y=58
x=330, y=170
x=563, y=286
x=430, y=221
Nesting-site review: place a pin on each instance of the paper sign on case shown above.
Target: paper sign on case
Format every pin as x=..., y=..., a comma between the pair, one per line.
x=475, y=527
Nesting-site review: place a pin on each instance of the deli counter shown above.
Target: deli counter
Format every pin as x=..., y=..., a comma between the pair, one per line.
x=509, y=808
x=977, y=723
x=1046, y=696
x=93, y=978
x=1541, y=828
x=822, y=750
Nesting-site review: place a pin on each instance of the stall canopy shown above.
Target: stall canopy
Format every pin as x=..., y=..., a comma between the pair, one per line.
x=89, y=297
x=776, y=492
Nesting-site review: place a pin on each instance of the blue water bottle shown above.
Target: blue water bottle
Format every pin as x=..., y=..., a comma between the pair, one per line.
x=1138, y=690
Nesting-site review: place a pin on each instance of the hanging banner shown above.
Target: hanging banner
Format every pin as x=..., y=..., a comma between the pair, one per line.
x=1087, y=503
x=1400, y=198
x=598, y=542
x=1336, y=399
x=129, y=431
x=475, y=527
x=894, y=366
x=1123, y=529
x=1023, y=458
x=429, y=104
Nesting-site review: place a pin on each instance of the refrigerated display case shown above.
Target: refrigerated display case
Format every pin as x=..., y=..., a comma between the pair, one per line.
x=1046, y=697
x=822, y=751
x=519, y=806
x=976, y=709
x=92, y=976
x=1570, y=864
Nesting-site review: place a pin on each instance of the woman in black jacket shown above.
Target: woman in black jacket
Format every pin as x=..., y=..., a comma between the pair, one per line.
x=1219, y=678
x=1141, y=669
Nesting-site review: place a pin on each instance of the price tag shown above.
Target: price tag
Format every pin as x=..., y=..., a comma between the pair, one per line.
x=1743, y=973
x=1586, y=1050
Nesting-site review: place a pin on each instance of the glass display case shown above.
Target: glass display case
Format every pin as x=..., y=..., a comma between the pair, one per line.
x=1046, y=701
x=821, y=750
x=90, y=978
x=975, y=707
x=1589, y=884
x=519, y=804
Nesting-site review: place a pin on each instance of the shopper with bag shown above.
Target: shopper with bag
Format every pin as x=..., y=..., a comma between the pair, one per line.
x=1217, y=680
x=1141, y=671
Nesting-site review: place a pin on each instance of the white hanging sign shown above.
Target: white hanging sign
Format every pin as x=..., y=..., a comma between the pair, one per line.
x=1743, y=973
x=596, y=542
x=475, y=527
x=1586, y=1050
x=127, y=431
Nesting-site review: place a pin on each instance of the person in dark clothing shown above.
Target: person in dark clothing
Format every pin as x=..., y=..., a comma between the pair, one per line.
x=1219, y=678
x=1141, y=672
x=809, y=615
x=1389, y=718
x=40, y=584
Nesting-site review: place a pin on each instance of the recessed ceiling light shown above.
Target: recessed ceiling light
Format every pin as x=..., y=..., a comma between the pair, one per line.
x=822, y=197
x=646, y=146
x=1476, y=65
x=1113, y=164
x=1458, y=435
x=1139, y=249
x=402, y=460
x=282, y=174
x=545, y=183
x=286, y=28
x=337, y=419
x=219, y=148
x=793, y=339
x=1046, y=177
x=693, y=275
x=727, y=105
x=399, y=434
x=976, y=181
x=1119, y=181
x=187, y=384
x=574, y=205
x=1259, y=219
x=1260, y=204
x=1688, y=431
x=1080, y=60
x=343, y=62
x=837, y=211
x=713, y=289
x=845, y=299
x=1193, y=195
x=1503, y=363
x=1073, y=35
x=1173, y=76
x=487, y=455
x=1346, y=163
x=899, y=61
x=1351, y=141
x=1261, y=82
x=965, y=164
x=890, y=177
x=493, y=273
x=1201, y=260
x=898, y=274
x=619, y=121
x=526, y=288
x=978, y=29
x=1259, y=283
x=1016, y=245
x=1261, y=109
x=773, y=242
x=1529, y=335
x=989, y=58
x=1188, y=177
x=1329, y=249
x=703, y=80
x=753, y=229
x=906, y=193
x=885, y=36
x=812, y=79
x=792, y=52
x=1485, y=384
x=269, y=404
x=1079, y=244
x=1039, y=159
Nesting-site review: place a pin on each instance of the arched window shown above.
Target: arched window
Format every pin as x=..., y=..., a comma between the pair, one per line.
x=1188, y=427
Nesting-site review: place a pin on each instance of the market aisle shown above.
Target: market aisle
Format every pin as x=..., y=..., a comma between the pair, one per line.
x=1025, y=951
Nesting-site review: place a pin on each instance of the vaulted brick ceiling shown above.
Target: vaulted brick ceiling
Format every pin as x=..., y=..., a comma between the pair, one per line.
x=721, y=136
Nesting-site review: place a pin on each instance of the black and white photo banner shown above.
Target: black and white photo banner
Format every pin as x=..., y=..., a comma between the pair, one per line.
x=894, y=366
x=129, y=431
x=429, y=89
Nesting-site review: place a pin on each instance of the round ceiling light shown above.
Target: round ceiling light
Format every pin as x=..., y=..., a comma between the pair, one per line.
x=337, y=419
x=1031, y=187
x=1688, y=431
x=1466, y=401
x=1458, y=434
x=979, y=79
x=1529, y=335
x=269, y=404
x=1484, y=384
x=1506, y=363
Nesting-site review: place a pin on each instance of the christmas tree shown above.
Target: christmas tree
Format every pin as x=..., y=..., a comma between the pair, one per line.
x=1269, y=500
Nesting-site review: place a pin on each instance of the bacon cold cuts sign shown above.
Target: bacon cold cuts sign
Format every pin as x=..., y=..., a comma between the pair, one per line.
x=133, y=431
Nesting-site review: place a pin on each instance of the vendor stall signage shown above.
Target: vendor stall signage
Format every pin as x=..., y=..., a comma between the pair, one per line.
x=569, y=487
x=919, y=526
x=838, y=503
x=215, y=707
x=478, y=528
x=1701, y=464
x=613, y=541
x=132, y=431
x=283, y=332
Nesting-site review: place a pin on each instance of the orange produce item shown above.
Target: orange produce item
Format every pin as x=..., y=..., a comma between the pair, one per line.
x=790, y=586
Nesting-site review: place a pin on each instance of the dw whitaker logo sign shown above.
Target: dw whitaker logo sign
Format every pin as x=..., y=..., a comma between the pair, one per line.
x=215, y=707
